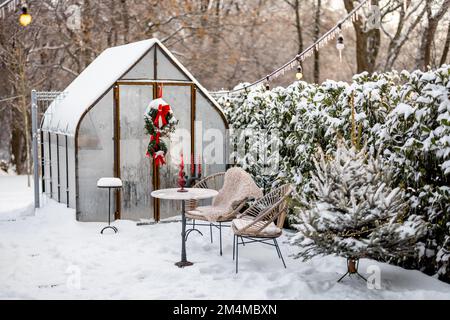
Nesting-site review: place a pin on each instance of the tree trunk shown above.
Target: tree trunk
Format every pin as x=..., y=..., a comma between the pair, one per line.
x=367, y=42
x=424, y=56
x=446, y=47
x=298, y=25
x=17, y=150
x=126, y=20
x=401, y=36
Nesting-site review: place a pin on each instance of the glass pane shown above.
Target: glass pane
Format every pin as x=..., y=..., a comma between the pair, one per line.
x=46, y=164
x=143, y=69
x=211, y=140
x=179, y=98
x=71, y=158
x=95, y=160
x=62, y=168
x=54, y=167
x=135, y=169
x=167, y=70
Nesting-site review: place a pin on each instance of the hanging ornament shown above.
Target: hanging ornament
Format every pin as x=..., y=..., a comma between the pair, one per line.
x=267, y=84
x=299, y=74
x=340, y=45
x=228, y=103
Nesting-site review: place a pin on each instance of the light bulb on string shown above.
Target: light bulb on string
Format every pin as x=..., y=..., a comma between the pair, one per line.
x=228, y=103
x=299, y=74
x=25, y=17
x=267, y=84
x=340, y=44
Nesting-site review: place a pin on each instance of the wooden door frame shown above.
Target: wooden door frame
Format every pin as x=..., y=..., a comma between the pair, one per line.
x=117, y=129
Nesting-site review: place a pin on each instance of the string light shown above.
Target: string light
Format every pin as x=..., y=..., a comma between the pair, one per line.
x=25, y=17
x=334, y=32
x=340, y=43
x=299, y=74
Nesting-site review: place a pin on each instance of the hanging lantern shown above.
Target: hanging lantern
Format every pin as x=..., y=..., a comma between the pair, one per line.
x=299, y=74
x=25, y=17
x=340, y=45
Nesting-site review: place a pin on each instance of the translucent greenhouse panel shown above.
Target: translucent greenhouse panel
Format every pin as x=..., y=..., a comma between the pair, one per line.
x=71, y=163
x=135, y=168
x=54, y=166
x=179, y=98
x=95, y=160
x=144, y=68
x=46, y=174
x=62, y=168
x=210, y=136
x=167, y=70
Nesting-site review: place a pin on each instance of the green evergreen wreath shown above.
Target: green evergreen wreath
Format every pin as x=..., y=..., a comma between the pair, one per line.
x=159, y=123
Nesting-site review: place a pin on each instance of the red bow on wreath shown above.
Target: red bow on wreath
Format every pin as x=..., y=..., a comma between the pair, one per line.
x=160, y=119
x=158, y=157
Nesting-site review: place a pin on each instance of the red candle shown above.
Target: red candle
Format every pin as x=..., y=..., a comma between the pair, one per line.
x=199, y=165
x=192, y=165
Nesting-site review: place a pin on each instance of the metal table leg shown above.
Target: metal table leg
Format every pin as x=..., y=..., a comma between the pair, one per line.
x=183, y=262
x=109, y=215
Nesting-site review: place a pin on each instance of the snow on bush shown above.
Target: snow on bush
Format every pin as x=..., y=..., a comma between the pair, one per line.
x=404, y=117
x=354, y=212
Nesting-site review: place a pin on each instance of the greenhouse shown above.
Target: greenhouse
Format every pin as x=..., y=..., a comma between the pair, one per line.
x=97, y=129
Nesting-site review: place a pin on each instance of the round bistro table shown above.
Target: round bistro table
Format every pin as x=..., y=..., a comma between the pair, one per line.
x=190, y=194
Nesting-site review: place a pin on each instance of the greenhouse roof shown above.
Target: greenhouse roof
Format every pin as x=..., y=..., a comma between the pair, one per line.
x=64, y=114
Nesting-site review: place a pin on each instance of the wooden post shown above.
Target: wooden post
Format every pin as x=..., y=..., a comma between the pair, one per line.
x=116, y=120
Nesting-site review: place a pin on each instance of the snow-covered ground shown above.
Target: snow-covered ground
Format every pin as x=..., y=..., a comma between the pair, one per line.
x=16, y=199
x=52, y=256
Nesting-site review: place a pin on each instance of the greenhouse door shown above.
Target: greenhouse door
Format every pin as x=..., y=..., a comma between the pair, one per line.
x=139, y=176
x=135, y=169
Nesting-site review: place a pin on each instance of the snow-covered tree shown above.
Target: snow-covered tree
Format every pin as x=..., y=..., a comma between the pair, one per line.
x=402, y=117
x=355, y=213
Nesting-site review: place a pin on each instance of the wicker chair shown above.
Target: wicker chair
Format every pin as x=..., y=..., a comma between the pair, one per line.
x=218, y=221
x=257, y=223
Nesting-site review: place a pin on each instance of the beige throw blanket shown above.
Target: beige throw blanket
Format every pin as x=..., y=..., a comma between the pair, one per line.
x=238, y=186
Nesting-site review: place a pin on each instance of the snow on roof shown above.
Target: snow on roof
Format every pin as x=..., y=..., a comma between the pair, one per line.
x=64, y=113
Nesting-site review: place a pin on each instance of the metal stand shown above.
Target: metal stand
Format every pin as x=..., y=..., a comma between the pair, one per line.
x=109, y=226
x=351, y=271
x=183, y=262
x=253, y=239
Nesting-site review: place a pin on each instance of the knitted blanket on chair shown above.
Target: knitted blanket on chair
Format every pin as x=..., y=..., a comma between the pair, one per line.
x=238, y=186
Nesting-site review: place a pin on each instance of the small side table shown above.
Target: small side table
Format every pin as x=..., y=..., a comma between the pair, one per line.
x=109, y=183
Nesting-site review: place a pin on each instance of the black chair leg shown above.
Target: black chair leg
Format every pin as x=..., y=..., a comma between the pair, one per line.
x=237, y=253
x=234, y=244
x=210, y=232
x=220, y=236
x=279, y=251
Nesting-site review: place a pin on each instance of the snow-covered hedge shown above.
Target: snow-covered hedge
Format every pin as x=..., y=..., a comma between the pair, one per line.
x=404, y=117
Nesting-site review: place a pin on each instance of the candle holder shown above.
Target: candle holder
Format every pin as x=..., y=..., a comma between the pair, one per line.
x=181, y=178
